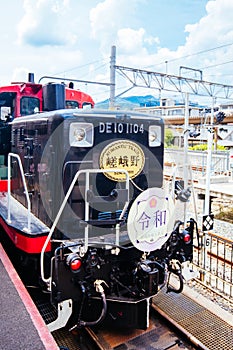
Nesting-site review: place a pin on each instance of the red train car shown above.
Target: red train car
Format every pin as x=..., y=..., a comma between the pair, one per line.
x=20, y=99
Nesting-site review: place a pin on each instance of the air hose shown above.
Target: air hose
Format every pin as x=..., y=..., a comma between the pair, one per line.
x=100, y=290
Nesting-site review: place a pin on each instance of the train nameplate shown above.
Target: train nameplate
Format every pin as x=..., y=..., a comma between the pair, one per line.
x=122, y=154
x=151, y=219
x=120, y=128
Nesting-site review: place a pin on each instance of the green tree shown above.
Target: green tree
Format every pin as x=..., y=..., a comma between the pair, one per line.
x=204, y=147
x=169, y=137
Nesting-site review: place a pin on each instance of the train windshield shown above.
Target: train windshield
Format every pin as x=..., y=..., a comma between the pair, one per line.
x=75, y=104
x=87, y=105
x=29, y=105
x=72, y=104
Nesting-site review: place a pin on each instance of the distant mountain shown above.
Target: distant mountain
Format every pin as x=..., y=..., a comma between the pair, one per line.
x=131, y=102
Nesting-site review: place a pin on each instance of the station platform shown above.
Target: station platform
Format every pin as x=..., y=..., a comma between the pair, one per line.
x=203, y=321
x=222, y=190
x=22, y=327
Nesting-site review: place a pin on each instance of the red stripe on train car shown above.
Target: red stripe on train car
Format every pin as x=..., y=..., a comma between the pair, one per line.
x=3, y=185
x=29, y=244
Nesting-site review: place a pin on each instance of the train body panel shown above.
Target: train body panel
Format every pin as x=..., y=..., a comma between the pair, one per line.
x=38, y=142
x=25, y=98
x=94, y=179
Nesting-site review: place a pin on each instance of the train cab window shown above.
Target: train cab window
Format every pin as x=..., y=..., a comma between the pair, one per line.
x=87, y=105
x=29, y=105
x=7, y=105
x=72, y=104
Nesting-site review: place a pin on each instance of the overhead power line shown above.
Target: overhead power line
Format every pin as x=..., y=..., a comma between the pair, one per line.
x=190, y=55
x=200, y=52
x=217, y=64
x=79, y=67
x=76, y=80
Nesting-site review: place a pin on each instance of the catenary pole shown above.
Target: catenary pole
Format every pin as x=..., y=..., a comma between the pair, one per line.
x=208, y=161
x=186, y=135
x=112, y=77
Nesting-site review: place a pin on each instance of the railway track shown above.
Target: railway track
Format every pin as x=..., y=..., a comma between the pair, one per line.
x=160, y=335
x=164, y=333
x=177, y=322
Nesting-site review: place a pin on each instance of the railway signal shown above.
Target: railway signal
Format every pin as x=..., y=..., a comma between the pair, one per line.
x=208, y=222
x=220, y=117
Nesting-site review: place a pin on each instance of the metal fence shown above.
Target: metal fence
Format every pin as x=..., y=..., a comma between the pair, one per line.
x=214, y=261
x=220, y=163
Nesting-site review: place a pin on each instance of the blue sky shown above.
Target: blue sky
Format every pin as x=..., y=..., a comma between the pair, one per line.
x=167, y=19
x=73, y=39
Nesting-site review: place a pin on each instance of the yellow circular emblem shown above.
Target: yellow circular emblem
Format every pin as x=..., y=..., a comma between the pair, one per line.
x=125, y=155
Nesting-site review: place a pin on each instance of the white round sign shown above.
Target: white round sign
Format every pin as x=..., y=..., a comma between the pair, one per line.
x=151, y=219
x=122, y=154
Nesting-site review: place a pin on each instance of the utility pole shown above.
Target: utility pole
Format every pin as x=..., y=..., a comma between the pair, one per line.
x=186, y=136
x=112, y=78
x=208, y=161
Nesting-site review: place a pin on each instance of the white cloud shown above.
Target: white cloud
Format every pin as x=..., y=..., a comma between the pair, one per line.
x=214, y=30
x=20, y=74
x=109, y=16
x=150, y=40
x=208, y=48
x=45, y=23
x=130, y=40
x=134, y=45
x=55, y=36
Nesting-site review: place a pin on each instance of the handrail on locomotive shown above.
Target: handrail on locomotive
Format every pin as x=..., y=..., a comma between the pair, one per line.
x=13, y=155
x=87, y=172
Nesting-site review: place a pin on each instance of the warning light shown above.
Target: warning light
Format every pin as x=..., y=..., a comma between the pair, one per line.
x=74, y=262
x=75, y=265
x=186, y=238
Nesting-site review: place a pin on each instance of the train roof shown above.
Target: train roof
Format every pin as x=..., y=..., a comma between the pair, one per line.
x=119, y=115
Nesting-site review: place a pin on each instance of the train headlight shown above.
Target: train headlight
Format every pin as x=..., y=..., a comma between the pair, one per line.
x=154, y=136
x=81, y=135
x=74, y=262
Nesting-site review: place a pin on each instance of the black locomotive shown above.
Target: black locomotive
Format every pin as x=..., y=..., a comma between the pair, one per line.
x=87, y=210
